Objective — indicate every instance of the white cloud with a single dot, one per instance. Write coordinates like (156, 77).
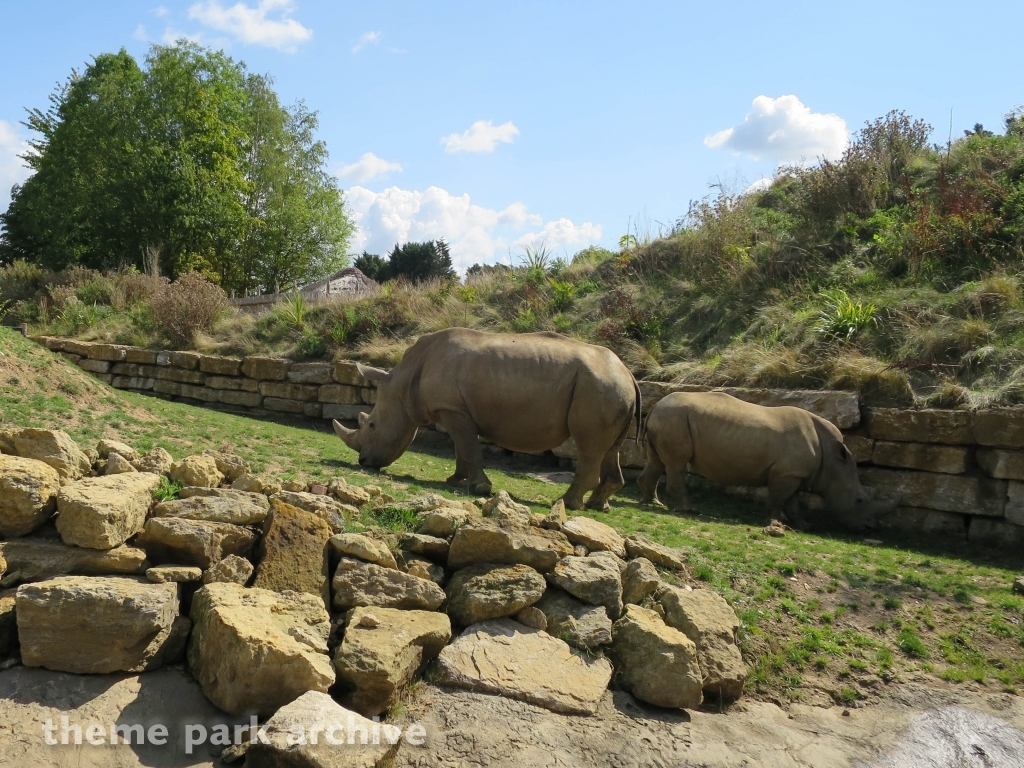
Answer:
(482, 136)
(758, 186)
(556, 234)
(786, 131)
(475, 233)
(12, 168)
(140, 33)
(160, 11)
(368, 167)
(254, 25)
(365, 39)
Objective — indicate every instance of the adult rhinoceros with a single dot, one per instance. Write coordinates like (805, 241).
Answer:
(526, 392)
(733, 442)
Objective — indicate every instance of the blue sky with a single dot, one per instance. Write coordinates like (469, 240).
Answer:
(498, 125)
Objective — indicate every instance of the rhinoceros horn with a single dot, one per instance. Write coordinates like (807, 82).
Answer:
(371, 374)
(350, 436)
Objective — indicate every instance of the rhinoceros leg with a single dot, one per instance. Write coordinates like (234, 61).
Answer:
(469, 456)
(588, 476)
(675, 490)
(651, 476)
(782, 497)
(612, 480)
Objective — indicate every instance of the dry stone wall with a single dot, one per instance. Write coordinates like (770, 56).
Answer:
(958, 473)
(255, 385)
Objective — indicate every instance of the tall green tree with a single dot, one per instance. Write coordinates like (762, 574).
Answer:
(188, 163)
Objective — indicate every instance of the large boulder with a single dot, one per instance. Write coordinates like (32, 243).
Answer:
(656, 663)
(231, 465)
(595, 536)
(505, 657)
(157, 460)
(639, 581)
(232, 569)
(324, 507)
(580, 625)
(357, 583)
(487, 542)
(432, 547)
(294, 552)
(53, 447)
(38, 559)
(501, 509)
(117, 465)
(105, 447)
(659, 554)
(382, 651)
(233, 494)
(253, 650)
(198, 470)
(193, 542)
(363, 548)
(445, 521)
(594, 579)
(348, 494)
(28, 494)
(710, 622)
(488, 591)
(212, 509)
(103, 512)
(95, 625)
(334, 737)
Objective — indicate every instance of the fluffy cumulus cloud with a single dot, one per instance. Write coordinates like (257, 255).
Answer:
(368, 167)
(475, 233)
(12, 167)
(786, 131)
(269, 23)
(482, 136)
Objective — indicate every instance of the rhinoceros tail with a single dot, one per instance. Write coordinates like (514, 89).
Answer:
(639, 415)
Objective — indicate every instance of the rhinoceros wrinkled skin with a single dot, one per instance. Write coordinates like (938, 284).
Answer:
(526, 392)
(731, 442)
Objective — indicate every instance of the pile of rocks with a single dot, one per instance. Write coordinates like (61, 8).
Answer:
(272, 593)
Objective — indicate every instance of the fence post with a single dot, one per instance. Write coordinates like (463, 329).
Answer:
(24, 329)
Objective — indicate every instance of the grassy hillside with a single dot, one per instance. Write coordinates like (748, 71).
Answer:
(825, 617)
(894, 271)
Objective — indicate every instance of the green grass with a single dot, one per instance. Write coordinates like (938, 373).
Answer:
(803, 600)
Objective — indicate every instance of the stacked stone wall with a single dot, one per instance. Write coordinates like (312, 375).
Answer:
(958, 472)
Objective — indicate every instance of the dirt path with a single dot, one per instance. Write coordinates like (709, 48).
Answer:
(911, 726)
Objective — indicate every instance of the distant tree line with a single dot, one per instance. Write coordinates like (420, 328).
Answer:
(415, 262)
(187, 163)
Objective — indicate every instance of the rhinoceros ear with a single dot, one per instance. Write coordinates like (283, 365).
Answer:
(371, 374)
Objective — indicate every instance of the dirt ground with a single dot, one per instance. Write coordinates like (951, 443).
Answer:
(909, 726)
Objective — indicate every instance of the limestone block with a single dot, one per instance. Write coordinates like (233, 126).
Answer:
(505, 657)
(96, 625)
(948, 493)
(265, 368)
(947, 459)
(948, 427)
(253, 650)
(103, 512)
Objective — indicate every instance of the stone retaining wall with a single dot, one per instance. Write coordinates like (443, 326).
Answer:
(959, 473)
(258, 386)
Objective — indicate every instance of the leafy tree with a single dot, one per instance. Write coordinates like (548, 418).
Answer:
(371, 265)
(187, 164)
(420, 261)
(415, 262)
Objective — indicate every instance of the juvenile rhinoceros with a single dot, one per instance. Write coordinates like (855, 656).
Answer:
(526, 392)
(733, 442)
